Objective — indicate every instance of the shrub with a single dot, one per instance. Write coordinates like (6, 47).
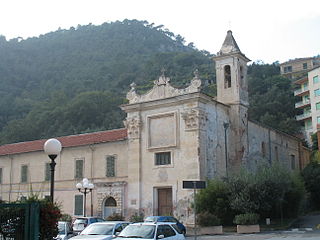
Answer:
(115, 217)
(137, 217)
(66, 217)
(311, 176)
(208, 219)
(214, 199)
(246, 219)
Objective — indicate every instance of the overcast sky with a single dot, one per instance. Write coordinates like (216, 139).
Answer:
(267, 30)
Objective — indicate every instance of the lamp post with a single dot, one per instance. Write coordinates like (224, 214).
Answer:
(85, 187)
(52, 147)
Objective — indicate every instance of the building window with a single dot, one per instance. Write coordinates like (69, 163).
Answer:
(0, 175)
(308, 124)
(263, 149)
(78, 204)
(287, 69)
(276, 153)
(163, 158)
(24, 174)
(293, 162)
(305, 66)
(79, 168)
(227, 76)
(110, 166)
(317, 92)
(47, 172)
(316, 79)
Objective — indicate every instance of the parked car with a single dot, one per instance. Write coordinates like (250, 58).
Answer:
(151, 230)
(167, 219)
(65, 231)
(81, 223)
(102, 230)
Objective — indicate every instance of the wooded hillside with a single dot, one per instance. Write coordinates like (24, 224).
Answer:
(72, 81)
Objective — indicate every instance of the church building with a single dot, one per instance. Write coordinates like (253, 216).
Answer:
(171, 135)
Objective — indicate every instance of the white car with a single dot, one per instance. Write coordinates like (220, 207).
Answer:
(102, 230)
(152, 230)
(65, 231)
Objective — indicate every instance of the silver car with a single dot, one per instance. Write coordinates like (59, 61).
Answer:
(102, 230)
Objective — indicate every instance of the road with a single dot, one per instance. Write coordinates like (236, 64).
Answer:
(280, 235)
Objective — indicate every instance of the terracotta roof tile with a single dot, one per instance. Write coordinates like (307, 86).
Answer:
(66, 141)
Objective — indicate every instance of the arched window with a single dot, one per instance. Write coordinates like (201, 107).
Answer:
(227, 76)
(110, 207)
(110, 202)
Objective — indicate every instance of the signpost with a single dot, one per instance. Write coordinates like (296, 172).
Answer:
(194, 185)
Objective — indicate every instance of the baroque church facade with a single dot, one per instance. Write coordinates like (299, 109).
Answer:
(170, 135)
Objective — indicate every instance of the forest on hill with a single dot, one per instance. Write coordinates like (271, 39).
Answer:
(73, 81)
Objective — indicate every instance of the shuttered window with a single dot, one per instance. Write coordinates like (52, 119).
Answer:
(163, 158)
(78, 204)
(47, 172)
(24, 174)
(79, 168)
(0, 175)
(110, 166)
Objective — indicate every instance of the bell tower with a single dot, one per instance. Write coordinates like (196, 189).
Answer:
(232, 90)
(231, 72)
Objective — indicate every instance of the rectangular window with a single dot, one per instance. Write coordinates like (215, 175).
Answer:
(316, 79)
(318, 106)
(24, 174)
(78, 204)
(163, 158)
(276, 153)
(305, 85)
(110, 166)
(305, 66)
(293, 162)
(317, 92)
(263, 149)
(79, 168)
(308, 124)
(0, 175)
(47, 172)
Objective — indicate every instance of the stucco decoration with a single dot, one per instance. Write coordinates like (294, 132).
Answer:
(133, 125)
(110, 189)
(163, 89)
(194, 119)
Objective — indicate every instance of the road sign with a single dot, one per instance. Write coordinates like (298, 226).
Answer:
(194, 184)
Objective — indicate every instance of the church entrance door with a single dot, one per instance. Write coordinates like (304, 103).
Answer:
(165, 201)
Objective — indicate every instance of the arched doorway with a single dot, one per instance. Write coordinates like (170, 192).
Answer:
(110, 206)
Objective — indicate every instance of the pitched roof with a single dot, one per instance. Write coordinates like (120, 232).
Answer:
(229, 45)
(66, 141)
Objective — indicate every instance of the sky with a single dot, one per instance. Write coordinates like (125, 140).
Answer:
(265, 30)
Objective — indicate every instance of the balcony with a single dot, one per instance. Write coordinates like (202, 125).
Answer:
(302, 103)
(303, 116)
(300, 92)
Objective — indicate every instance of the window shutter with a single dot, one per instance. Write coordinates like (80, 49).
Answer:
(47, 172)
(24, 173)
(79, 169)
(78, 204)
(111, 171)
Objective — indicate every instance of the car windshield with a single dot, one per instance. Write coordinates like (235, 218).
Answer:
(98, 229)
(61, 228)
(80, 220)
(139, 231)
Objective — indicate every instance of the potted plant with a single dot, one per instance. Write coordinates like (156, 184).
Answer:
(247, 223)
(209, 224)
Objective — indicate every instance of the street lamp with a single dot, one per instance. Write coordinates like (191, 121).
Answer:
(85, 187)
(52, 147)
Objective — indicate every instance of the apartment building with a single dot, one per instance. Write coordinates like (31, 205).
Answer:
(299, 67)
(309, 103)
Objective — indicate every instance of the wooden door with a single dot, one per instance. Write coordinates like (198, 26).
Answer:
(164, 201)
